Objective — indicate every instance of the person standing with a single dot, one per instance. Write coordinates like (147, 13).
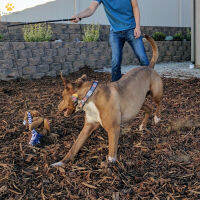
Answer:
(124, 18)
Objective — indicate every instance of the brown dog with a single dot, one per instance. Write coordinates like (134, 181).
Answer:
(113, 103)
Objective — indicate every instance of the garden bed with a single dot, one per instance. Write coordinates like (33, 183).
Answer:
(160, 164)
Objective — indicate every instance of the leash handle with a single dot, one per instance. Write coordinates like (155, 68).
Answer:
(39, 22)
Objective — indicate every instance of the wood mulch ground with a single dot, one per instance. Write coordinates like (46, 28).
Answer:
(162, 163)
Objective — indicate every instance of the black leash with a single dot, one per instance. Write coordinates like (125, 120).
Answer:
(39, 22)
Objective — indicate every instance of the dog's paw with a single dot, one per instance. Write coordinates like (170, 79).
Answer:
(58, 164)
(156, 119)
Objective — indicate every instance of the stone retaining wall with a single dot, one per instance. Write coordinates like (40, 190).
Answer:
(74, 32)
(35, 60)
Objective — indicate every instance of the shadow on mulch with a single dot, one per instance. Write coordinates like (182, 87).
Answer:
(163, 163)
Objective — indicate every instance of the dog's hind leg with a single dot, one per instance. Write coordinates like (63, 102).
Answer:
(157, 113)
(84, 134)
(157, 93)
(147, 111)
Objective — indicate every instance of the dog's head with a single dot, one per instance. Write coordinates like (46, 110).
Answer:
(67, 104)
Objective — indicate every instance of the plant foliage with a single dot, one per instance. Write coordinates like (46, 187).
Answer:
(37, 33)
(159, 36)
(91, 33)
(188, 35)
(178, 37)
(1, 37)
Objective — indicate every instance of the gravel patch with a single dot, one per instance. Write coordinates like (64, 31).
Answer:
(179, 70)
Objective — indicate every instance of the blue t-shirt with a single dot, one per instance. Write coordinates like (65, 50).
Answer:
(119, 13)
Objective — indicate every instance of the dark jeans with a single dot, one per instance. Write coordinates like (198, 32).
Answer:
(117, 40)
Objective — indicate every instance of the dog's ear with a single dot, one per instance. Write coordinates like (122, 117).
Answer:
(84, 77)
(64, 80)
(81, 80)
(66, 83)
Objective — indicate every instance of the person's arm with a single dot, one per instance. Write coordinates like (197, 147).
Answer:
(136, 12)
(87, 12)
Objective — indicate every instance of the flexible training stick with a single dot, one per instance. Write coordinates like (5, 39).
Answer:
(39, 22)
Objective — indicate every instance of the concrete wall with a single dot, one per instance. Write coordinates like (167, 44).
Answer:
(173, 13)
(38, 59)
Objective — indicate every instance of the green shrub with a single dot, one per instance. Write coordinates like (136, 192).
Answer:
(37, 33)
(91, 33)
(1, 37)
(178, 37)
(188, 35)
(159, 36)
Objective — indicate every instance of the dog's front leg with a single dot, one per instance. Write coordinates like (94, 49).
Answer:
(84, 134)
(113, 137)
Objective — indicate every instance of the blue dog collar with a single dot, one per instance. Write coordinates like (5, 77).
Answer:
(35, 139)
(89, 94)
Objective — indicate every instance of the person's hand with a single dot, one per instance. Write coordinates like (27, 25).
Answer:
(137, 32)
(76, 19)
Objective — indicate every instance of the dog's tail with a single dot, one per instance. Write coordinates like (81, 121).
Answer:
(154, 49)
